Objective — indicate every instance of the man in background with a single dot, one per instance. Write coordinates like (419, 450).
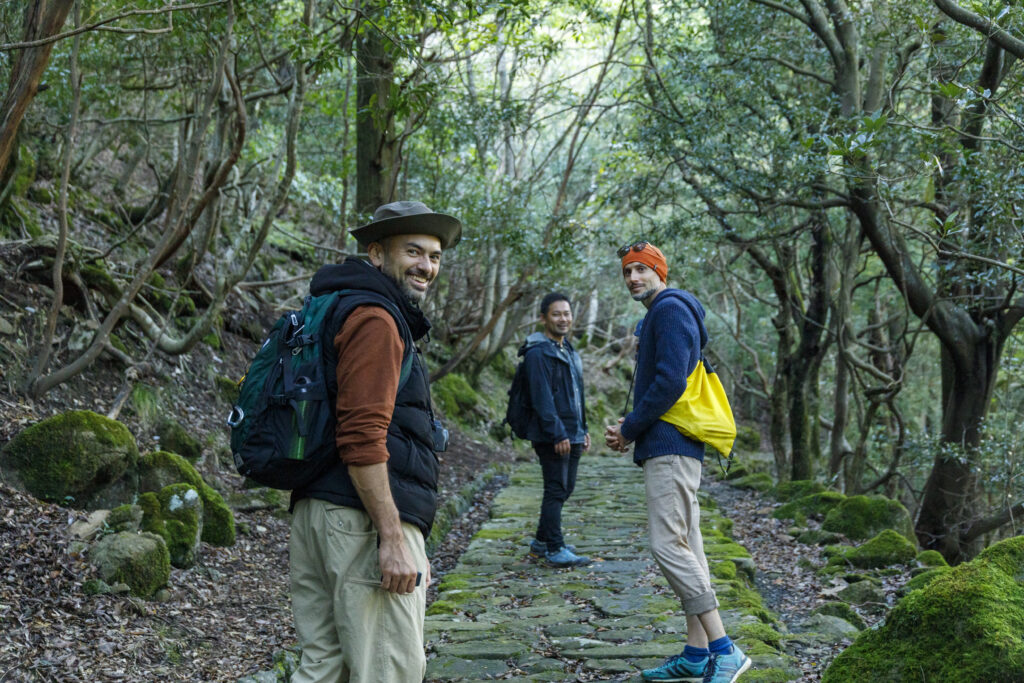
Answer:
(558, 423)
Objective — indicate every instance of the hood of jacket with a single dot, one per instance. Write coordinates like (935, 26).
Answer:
(675, 298)
(539, 338)
(358, 274)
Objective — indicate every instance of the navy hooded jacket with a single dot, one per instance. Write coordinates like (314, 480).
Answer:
(671, 338)
(554, 375)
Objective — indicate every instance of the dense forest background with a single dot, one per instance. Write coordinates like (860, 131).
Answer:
(840, 182)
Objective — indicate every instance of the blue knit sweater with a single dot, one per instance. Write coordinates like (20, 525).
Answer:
(672, 335)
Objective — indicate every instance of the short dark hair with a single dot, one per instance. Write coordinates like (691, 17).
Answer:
(551, 298)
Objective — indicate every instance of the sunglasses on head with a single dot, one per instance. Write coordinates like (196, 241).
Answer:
(636, 246)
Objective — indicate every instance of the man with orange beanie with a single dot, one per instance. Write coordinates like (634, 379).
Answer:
(671, 339)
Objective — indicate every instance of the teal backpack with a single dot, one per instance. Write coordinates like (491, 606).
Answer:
(283, 424)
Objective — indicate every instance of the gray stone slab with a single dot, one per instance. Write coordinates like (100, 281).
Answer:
(446, 668)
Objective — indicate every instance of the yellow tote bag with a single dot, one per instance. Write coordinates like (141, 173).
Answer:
(703, 411)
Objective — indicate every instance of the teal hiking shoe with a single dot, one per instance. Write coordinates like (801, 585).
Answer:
(677, 668)
(726, 668)
(565, 558)
(540, 548)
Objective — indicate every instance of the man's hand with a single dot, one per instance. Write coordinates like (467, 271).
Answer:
(613, 437)
(397, 570)
(586, 442)
(563, 447)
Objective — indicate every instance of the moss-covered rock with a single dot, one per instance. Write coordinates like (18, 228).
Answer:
(160, 469)
(139, 560)
(177, 517)
(95, 275)
(798, 488)
(887, 548)
(978, 606)
(815, 504)
(176, 439)
(931, 558)
(453, 395)
(79, 459)
(862, 593)
(923, 579)
(748, 439)
(861, 517)
(125, 517)
(226, 388)
(759, 481)
(843, 611)
(724, 570)
(817, 537)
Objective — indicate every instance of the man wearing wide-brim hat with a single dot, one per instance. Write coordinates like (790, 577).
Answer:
(359, 571)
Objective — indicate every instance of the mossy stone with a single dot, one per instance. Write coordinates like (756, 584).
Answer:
(759, 481)
(177, 518)
(96, 276)
(724, 570)
(453, 395)
(923, 579)
(762, 632)
(79, 458)
(887, 548)
(817, 537)
(862, 517)
(814, 504)
(748, 439)
(160, 469)
(843, 611)
(126, 517)
(798, 488)
(176, 439)
(931, 558)
(978, 606)
(226, 388)
(139, 560)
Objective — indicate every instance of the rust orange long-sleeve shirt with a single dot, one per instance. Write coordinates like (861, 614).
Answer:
(369, 366)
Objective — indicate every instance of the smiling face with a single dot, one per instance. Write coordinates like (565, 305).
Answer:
(642, 281)
(412, 261)
(558, 320)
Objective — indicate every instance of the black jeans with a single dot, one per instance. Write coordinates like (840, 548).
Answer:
(559, 481)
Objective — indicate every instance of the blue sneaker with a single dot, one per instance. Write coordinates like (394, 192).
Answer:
(726, 668)
(677, 668)
(565, 558)
(539, 548)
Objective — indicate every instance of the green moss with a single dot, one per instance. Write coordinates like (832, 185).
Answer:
(861, 517)
(157, 293)
(442, 607)
(748, 439)
(771, 675)
(226, 388)
(139, 560)
(160, 469)
(212, 339)
(887, 548)
(176, 439)
(177, 521)
(116, 342)
(925, 578)
(450, 584)
(724, 526)
(978, 605)
(125, 518)
(799, 488)
(24, 171)
(70, 458)
(453, 395)
(759, 481)
(725, 550)
(843, 611)
(740, 597)
(817, 537)
(735, 472)
(762, 632)
(814, 504)
(931, 558)
(497, 534)
(96, 277)
(146, 404)
(724, 570)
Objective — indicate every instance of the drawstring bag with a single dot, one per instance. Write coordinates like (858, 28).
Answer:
(702, 412)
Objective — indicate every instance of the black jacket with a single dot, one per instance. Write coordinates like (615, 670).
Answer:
(412, 464)
(558, 409)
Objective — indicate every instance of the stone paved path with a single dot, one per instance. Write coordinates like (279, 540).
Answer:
(502, 614)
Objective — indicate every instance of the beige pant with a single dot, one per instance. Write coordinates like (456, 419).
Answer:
(673, 517)
(349, 628)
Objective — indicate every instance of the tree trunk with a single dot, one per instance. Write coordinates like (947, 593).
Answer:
(43, 18)
(375, 144)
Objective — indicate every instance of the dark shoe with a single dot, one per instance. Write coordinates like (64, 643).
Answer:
(565, 558)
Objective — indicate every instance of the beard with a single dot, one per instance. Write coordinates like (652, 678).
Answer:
(644, 295)
(414, 295)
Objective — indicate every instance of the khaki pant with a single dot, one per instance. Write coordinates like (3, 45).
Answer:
(349, 628)
(673, 516)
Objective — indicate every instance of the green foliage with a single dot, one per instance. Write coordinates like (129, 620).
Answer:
(979, 605)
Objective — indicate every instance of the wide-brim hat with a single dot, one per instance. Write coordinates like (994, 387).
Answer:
(409, 218)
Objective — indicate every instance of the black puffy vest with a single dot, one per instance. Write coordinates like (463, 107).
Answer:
(412, 465)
